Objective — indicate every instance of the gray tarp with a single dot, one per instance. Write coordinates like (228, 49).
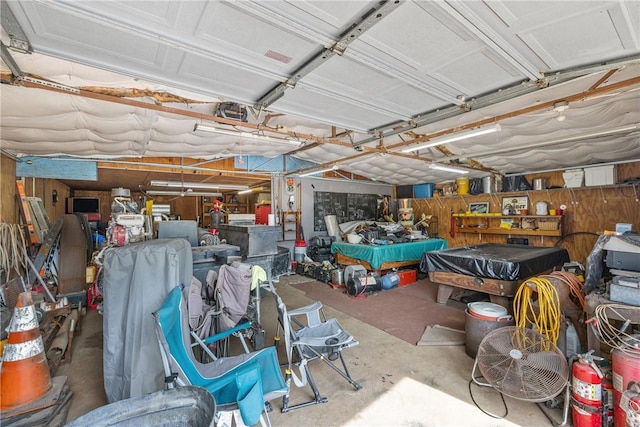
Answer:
(137, 278)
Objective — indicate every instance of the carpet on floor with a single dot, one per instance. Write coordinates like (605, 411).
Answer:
(404, 312)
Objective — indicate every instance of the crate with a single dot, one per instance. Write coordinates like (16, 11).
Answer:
(323, 274)
(600, 175)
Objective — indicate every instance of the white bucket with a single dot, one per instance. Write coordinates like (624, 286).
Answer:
(542, 208)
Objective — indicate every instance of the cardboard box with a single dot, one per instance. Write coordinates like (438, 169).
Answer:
(573, 178)
(600, 175)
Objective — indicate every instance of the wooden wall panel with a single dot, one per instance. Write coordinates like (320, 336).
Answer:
(590, 210)
(8, 207)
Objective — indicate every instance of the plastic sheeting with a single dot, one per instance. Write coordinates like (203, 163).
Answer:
(595, 261)
(493, 261)
(137, 279)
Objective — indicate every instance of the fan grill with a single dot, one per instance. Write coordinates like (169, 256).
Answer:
(523, 364)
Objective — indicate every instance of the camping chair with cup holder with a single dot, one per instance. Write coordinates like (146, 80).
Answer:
(310, 335)
(246, 382)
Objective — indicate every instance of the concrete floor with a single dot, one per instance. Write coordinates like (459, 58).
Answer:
(402, 384)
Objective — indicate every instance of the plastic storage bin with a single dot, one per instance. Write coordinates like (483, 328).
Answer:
(573, 178)
(421, 191)
(600, 175)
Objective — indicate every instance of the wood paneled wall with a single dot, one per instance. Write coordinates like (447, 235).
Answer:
(590, 210)
(34, 187)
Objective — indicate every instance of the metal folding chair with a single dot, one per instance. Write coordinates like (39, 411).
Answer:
(309, 335)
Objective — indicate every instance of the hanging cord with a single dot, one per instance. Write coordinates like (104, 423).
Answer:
(12, 249)
(546, 317)
(573, 284)
(612, 335)
(506, 409)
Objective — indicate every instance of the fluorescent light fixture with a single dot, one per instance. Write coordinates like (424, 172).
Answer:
(250, 190)
(443, 168)
(203, 185)
(181, 193)
(332, 168)
(492, 129)
(247, 135)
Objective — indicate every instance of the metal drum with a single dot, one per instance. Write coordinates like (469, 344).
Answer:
(625, 363)
(477, 328)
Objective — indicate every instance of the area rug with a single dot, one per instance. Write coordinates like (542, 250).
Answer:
(403, 312)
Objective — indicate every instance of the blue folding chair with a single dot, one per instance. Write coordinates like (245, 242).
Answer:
(246, 382)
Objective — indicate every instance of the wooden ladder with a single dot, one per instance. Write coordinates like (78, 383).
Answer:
(25, 212)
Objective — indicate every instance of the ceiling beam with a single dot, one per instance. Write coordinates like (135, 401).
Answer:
(577, 97)
(177, 111)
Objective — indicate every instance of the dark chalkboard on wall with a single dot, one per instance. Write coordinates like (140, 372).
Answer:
(345, 206)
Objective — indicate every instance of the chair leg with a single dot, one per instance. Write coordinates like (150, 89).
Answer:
(346, 375)
(317, 397)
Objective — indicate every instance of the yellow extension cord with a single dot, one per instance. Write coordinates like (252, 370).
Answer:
(546, 317)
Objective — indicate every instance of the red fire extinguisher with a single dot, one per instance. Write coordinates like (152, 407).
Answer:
(591, 393)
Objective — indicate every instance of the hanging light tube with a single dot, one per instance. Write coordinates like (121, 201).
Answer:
(182, 193)
(248, 135)
(202, 185)
(492, 129)
(443, 168)
(332, 168)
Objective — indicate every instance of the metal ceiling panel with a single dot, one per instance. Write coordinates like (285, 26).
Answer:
(415, 69)
(554, 35)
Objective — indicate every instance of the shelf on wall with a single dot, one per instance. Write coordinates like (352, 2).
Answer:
(536, 225)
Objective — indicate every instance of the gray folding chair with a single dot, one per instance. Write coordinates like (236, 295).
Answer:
(308, 336)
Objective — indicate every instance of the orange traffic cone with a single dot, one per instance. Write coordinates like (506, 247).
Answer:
(24, 375)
